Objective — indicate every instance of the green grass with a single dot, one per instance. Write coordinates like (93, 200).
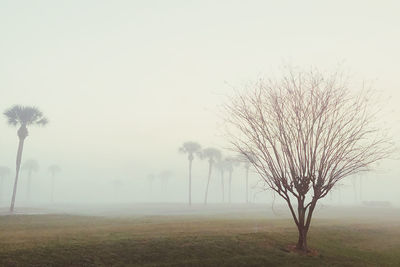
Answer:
(60, 240)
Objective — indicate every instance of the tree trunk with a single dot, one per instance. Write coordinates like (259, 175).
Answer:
(190, 182)
(18, 165)
(302, 226)
(302, 242)
(304, 222)
(208, 181)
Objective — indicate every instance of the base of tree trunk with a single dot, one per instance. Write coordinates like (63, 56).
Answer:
(293, 249)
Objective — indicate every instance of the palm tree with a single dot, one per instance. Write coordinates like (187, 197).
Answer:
(53, 169)
(22, 116)
(230, 162)
(245, 159)
(220, 166)
(4, 172)
(213, 155)
(190, 148)
(30, 166)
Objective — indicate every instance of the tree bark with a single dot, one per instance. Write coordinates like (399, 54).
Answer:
(302, 242)
(302, 226)
(18, 165)
(304, 222)
(208, 181)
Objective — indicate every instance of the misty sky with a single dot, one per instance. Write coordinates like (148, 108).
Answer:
(125, 83)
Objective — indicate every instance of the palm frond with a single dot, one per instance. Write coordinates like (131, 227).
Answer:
(211, 154)
(25, 115)
(12, 115)
(30, 165)
(190, 147)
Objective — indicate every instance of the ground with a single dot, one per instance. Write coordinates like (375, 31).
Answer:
(224, 238)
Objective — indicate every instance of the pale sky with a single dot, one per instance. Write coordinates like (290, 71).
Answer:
(125, 83)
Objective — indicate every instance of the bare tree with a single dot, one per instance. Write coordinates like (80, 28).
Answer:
(190, 148)
(305, 132)
(24, 117)
(213, 155)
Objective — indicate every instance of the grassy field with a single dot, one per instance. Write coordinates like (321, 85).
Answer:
(62, 240)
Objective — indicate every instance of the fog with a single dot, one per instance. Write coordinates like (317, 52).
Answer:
(125, 83)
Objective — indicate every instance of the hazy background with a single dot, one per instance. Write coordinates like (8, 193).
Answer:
(125, 83)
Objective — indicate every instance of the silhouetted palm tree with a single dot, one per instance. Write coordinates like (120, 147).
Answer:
(53, 169)
(4, 172)
(22, 116)
(245, 159)
(190, 148)
(213, 155)
(220, 166)
(230, 162)
(30, 166)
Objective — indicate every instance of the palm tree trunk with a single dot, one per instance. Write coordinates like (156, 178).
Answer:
(208, 181)
(18, 165)
(190, 182)
(247, 185)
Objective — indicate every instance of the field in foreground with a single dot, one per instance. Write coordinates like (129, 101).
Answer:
(221, 240)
